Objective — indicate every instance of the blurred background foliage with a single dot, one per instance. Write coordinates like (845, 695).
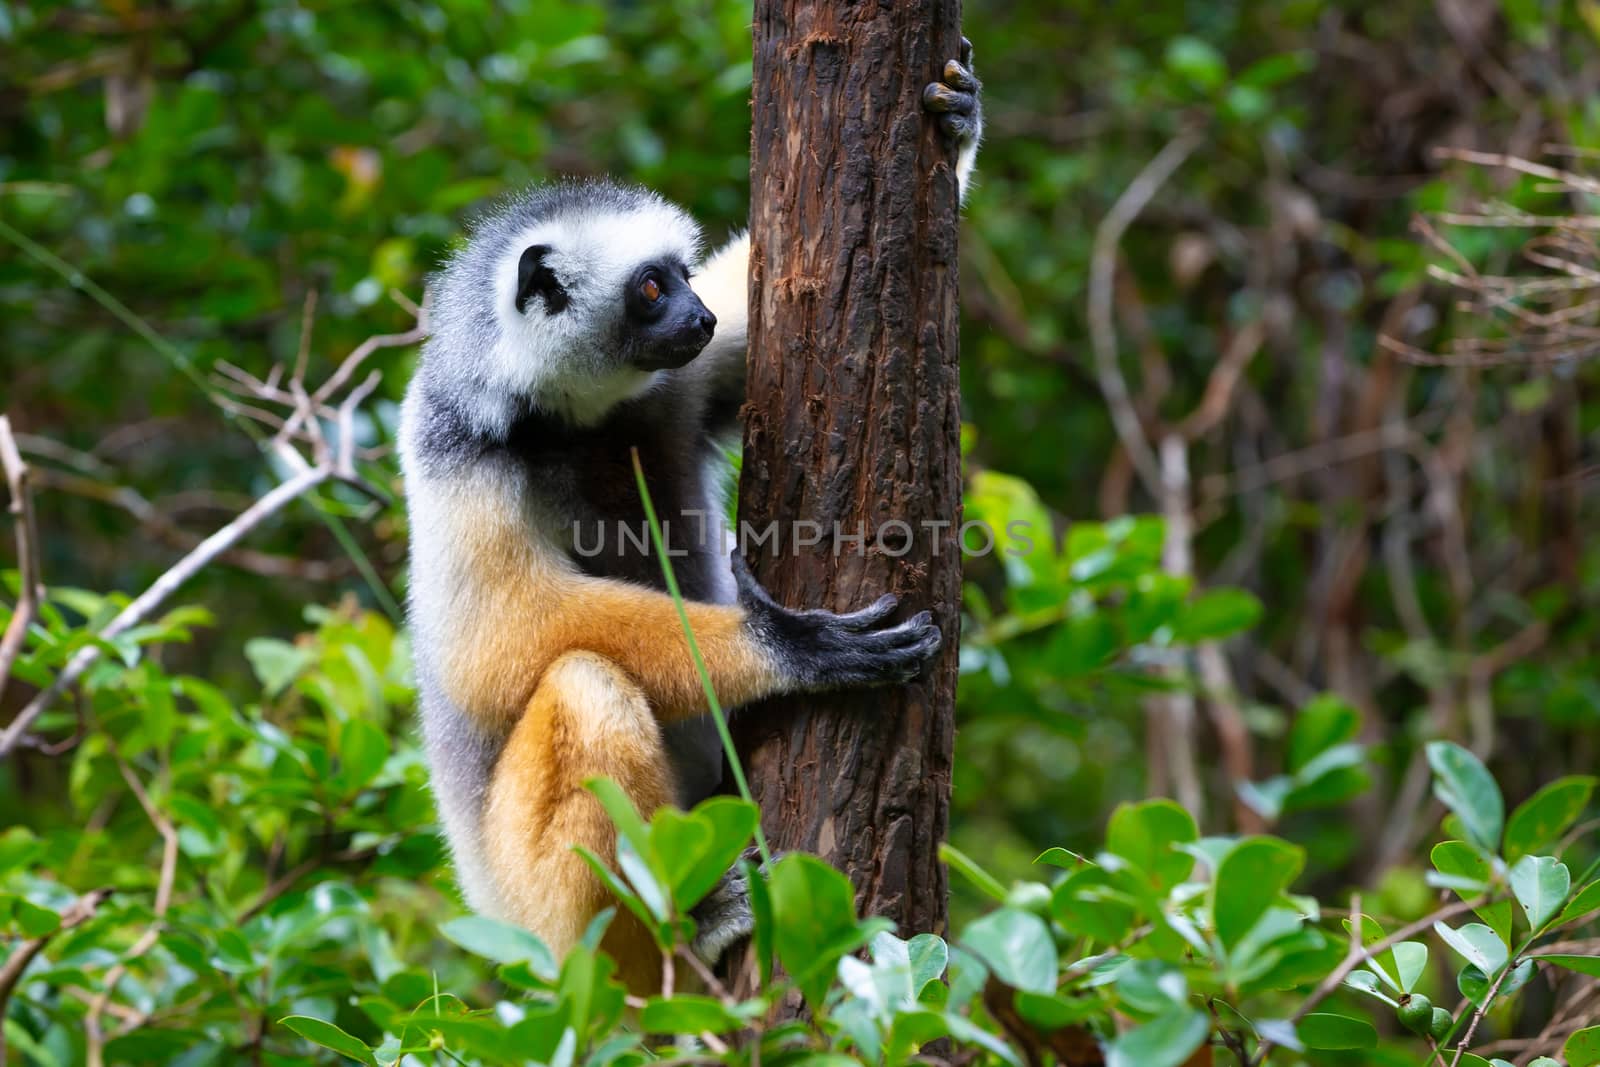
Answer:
(1405, 532)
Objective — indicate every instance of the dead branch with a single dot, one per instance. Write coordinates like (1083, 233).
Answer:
(94, 1033)
(301, 443)
(31, 590)
(1540, 319)
(1102, 289)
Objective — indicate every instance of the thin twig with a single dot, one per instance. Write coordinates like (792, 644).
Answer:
(94, 1034)
(15, 964)
(1477, 1016)
(31, 592)
(1359, 954)
(1102, 286)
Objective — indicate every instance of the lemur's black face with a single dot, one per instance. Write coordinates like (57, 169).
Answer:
(663, 326)
(664, 323)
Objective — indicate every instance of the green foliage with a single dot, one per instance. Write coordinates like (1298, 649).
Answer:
(274, 150)
(305, 893)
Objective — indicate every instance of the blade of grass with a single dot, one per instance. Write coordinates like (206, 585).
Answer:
(717, 714)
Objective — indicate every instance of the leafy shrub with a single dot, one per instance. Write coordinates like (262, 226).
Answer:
(260, 879)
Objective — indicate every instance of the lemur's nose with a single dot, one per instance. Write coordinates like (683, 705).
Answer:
(708, 321)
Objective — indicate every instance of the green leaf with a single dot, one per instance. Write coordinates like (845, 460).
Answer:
(329, 1036)
(1589, 965)
(1197, 62)
(363, 748)
(18, 847)
(1322, 724)
(1583, 1048)
(1541, 819)
(814, 921)
(1088, 904)
(618, 887)
(687, 1013)
(1461, 867)
(697, 849)
(1250, 878)
(1587, 900)
(1060, 857)
(928, 956)
(1540, 884)
(1017, 947)
(1166, 1041)
(1325, 1030)
(1464, 785)
(33, 920)
(1367, 982)
(1216, 614)
(1474, 986)
(1149, 987)
(620, 807)
(1410, 961)
(502, 943)
(1144, 834)
(276, 663)
(1275, 69)
(642, 877)
(1478, 944)
(968, 868)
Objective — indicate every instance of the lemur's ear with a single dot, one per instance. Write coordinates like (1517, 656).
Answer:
(536, 279)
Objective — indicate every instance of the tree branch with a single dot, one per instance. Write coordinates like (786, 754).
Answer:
(31, 591)
(1102, 289)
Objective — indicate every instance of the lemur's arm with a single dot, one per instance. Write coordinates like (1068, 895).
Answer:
(514, 608)
(723, 281)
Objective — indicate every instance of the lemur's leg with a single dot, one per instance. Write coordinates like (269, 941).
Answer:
(586, 718)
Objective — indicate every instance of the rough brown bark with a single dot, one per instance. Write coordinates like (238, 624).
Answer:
(853, 418)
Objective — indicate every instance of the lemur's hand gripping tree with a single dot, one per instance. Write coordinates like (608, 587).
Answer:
(853, 423)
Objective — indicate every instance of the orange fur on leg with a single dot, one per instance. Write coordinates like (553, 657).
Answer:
(517, 607)
(586, 718)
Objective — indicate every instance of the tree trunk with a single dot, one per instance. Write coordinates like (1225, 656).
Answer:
(853, 424)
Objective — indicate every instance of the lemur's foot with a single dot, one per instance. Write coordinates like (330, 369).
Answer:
(822, 650)
(954, 98)
(723, 918)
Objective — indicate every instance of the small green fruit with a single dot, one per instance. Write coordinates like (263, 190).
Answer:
(1030, 896)
(1442, 1022)
(1416, 1013)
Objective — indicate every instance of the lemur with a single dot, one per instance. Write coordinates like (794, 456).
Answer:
(570, 329)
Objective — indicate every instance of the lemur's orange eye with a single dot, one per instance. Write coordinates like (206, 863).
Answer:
(650, 290)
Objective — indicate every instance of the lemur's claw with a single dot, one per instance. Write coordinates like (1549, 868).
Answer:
(824, 650)
(723, 918)
(955, 98)
(958, 76)
(895, 654)
(872, 614)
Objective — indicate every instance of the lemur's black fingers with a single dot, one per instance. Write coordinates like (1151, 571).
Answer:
(966, 52)
(957, 75)
(870, 615)
(896, 635)
(957, 110)
(899, 654)
(941, 98)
